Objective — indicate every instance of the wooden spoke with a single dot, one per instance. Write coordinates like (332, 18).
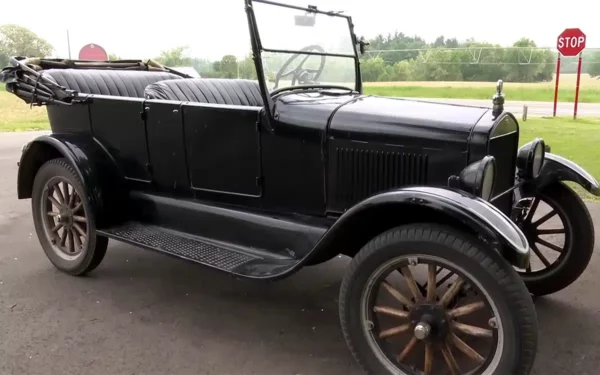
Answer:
(544, 218)
(77, 240)
(532, 209)
(54, 201)
(57, 227)
(472, 330)
(394, 331)
(70, 242)
(452, 292)
(396, 294)
(551, 231)
(53, 214)
(412, 284)
(72, 198)
(428, 367)
(59, 194)
(80, 219)
(466, 309)
(79, 229)
(450, 360)
(465, 348)
(66, 194)
(407, 349)
(549, 245)
(391, 311)
(63, 238)
(76, 208)
(539, 254)
(431, 287)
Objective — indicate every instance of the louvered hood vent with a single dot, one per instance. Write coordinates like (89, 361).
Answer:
(359, 173)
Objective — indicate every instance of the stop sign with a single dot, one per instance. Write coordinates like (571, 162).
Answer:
(571, 42)
(93, 52)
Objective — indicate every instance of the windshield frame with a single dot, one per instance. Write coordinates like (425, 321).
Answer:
(257, 47)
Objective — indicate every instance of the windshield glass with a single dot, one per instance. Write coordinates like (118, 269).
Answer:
(287, 34)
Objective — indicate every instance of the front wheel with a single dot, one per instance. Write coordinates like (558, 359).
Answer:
(64, 221)
(560, 232)
(427, 299)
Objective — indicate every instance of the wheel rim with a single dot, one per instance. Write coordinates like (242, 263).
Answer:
(434, 331)
(549, 255)
(65, 218)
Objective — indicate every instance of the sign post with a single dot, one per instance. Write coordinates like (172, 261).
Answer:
(571, 42)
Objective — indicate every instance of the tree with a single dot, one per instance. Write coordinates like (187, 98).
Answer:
(175, 57)
(113, 57)
(594, 65)
(16, 40)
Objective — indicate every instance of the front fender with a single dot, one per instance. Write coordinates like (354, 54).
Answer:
(479, 215)
(556, 168)
(103, 184)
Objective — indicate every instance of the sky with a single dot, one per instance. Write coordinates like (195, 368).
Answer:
(142, 29)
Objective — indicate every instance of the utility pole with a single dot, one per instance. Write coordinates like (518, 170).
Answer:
(69, 44)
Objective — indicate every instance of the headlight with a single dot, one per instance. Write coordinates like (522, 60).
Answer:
(479, 177)
(530, 159)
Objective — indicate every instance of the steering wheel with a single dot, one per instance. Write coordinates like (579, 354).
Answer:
(300, 74)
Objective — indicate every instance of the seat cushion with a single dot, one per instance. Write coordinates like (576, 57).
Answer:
(208, 90)
(128, 83)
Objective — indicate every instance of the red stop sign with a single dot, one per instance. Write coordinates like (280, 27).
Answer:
(93, 52)
(571, 42)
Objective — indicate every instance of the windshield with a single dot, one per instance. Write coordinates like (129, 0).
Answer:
(302, 48)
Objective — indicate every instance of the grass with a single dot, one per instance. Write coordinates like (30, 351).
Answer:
(589, 89)
(15, 115)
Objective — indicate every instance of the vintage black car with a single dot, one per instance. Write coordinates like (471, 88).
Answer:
(260, 178)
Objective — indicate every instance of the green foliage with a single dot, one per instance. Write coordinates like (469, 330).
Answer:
(449, 60)
(175, 57)
(593, 68)
(19, 41)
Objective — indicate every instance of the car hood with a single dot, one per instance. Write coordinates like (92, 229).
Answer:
(402, 122)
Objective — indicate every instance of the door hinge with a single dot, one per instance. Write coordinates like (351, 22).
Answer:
(258, 125)
(144, 113)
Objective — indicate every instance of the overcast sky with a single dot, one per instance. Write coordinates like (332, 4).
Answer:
(141, 29)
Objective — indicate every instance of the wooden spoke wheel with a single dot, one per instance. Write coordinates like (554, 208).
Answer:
(429, 300)
(64, 220)
(431, 332)
(560, 233)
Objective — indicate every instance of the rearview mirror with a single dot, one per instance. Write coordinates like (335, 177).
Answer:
(307, 20)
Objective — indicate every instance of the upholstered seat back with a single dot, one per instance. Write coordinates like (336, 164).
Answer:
(208, 90)
(128, 83)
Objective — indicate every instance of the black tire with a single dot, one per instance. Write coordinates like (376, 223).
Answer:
(579, 242)
(495, 276)
(93, 248)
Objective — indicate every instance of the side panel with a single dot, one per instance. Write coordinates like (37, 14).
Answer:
(166, 146)
(69, 119)
(118, 124)
(223, 148)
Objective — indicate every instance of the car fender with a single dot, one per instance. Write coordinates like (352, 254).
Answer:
(103, 184)
(461, 208)
(557, 168)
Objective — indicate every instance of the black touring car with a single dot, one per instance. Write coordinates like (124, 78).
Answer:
(434, 202)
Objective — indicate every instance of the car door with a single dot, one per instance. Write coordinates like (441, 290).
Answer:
(222, 145)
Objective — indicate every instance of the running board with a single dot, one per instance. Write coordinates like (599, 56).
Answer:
(233, 259)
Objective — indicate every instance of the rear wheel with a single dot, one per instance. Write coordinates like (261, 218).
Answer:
(64, 221)
(426, 299)
(560, 232)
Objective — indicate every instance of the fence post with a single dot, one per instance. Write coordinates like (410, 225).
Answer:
(524, 112)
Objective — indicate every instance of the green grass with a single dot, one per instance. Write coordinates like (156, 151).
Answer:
(576, 140)
(15, 114)
(544, 94)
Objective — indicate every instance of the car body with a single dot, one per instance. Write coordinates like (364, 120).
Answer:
(261, 182)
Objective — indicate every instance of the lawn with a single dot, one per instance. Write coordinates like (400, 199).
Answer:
(589, 89)
(15, 115)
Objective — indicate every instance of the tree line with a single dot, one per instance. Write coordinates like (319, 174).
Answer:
(405, 58)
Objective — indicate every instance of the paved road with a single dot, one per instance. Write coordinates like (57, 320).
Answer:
(534, 109)
(144, 313)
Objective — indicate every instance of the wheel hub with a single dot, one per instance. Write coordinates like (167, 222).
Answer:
(430, 322)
